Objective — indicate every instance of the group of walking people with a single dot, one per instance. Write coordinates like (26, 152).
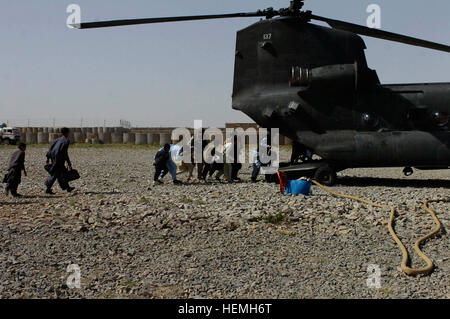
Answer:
(169, 159)
(56, 159)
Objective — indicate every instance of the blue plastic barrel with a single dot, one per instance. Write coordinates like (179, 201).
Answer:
(297, 187)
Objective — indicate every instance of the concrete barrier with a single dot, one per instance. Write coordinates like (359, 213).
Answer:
(92, 138)
(155, 139)
(141, 139)
(42, 138)
(116, 138)
(31, 138)
(79, 137)
(129, 138)
(104, 138)
(118, 130)
(164, 138)
(53, 136)
(150, 138)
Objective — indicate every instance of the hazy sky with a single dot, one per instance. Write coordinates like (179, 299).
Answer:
(171, 74)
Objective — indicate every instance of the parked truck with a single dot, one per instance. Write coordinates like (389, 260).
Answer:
(9, 135)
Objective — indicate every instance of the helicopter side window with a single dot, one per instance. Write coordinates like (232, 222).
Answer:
(370, 120)
(441, 119)
(425, 119)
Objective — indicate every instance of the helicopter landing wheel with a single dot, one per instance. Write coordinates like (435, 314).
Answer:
(326, 175)
(408, 171)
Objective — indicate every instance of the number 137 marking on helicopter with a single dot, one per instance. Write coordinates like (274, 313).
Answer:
(314, 83)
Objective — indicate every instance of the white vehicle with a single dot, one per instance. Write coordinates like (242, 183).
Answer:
(9, 135)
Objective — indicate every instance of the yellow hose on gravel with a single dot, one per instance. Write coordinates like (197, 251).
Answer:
(409, 271)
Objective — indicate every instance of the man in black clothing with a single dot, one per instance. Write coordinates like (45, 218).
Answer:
(58, 155)
(236, 166)
(203, 167)
(210, 168)
(219, 167)
(15, 168)
(161, 159)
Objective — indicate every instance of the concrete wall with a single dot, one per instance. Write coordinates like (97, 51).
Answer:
(141, 139)
(118, 135)
(42, 138)
(116, 138)
(129, 138)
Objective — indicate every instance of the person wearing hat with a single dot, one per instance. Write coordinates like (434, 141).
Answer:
(14, 176)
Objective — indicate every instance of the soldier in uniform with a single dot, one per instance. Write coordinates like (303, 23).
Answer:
(15, 168)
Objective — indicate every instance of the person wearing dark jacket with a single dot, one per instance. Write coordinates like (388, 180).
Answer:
(15, 168)
(58, 155)
(161, 159)
(236, 166)
(203, 167)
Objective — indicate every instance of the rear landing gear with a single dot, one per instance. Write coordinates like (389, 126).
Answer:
(320, 171)
(326, 175)
(408, 171)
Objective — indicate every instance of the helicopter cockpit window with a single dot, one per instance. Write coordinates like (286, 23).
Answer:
(441, 119)
(369, 120)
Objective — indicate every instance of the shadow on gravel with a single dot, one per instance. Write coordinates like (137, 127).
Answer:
(391, 182)
(41, 196)
(17, 203)
(101, 193)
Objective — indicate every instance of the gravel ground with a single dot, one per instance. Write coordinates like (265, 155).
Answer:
(133, 240)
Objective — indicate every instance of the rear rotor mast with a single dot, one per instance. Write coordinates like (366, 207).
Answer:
(294, 10)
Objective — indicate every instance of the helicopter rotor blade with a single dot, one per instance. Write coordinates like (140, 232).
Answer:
(380, 34)
(117, 23)
(270, 13)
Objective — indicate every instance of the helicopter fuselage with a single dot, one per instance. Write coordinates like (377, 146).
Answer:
(314, 84)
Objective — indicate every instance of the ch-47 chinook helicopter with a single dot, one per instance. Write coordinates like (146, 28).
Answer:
(314, 84)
